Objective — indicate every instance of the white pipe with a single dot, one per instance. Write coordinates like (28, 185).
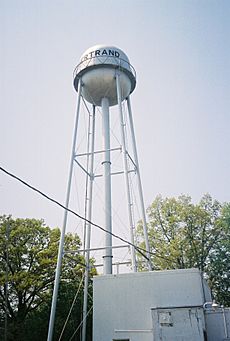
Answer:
(107, 185)
(126, 172)
(62, 237)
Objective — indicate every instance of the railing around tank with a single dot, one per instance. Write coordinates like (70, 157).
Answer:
(103, 60)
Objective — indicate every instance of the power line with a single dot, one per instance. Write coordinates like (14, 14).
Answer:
(140, 250)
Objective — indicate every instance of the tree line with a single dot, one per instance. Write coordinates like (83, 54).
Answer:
(181, 235)
(187, 235)
(28, 256)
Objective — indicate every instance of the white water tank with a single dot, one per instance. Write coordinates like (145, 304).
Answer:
(97, 69)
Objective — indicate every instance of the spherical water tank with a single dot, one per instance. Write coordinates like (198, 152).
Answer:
(97, 70)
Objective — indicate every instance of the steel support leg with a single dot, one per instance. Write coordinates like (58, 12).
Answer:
(88, 227)
(126, 172)
(62, 238)
(140, 190)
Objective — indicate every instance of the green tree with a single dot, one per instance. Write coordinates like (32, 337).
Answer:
(28, 255)
(185, 235)
(219, 264)
(36, 324)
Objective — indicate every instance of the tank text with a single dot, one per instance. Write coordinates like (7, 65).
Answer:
(101, 53)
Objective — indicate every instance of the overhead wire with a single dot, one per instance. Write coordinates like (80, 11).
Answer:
(140, 250)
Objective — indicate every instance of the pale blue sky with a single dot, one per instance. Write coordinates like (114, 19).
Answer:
(181, 53)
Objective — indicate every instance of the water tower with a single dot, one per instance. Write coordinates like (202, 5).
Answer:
(104, 78)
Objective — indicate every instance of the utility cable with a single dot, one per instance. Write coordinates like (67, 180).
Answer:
(140, 250)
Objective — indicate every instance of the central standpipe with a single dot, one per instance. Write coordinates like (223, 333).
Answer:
(107, 186)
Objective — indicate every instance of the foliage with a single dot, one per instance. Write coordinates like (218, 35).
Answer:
(219, 264)
(38, 320)
(186, 235)
(28, 255)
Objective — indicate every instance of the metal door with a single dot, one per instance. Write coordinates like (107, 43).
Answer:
(178, 324)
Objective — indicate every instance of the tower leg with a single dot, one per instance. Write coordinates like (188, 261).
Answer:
(140, 190)
(125, 164)
(62, 238)
(88, 227)
(107, 185)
